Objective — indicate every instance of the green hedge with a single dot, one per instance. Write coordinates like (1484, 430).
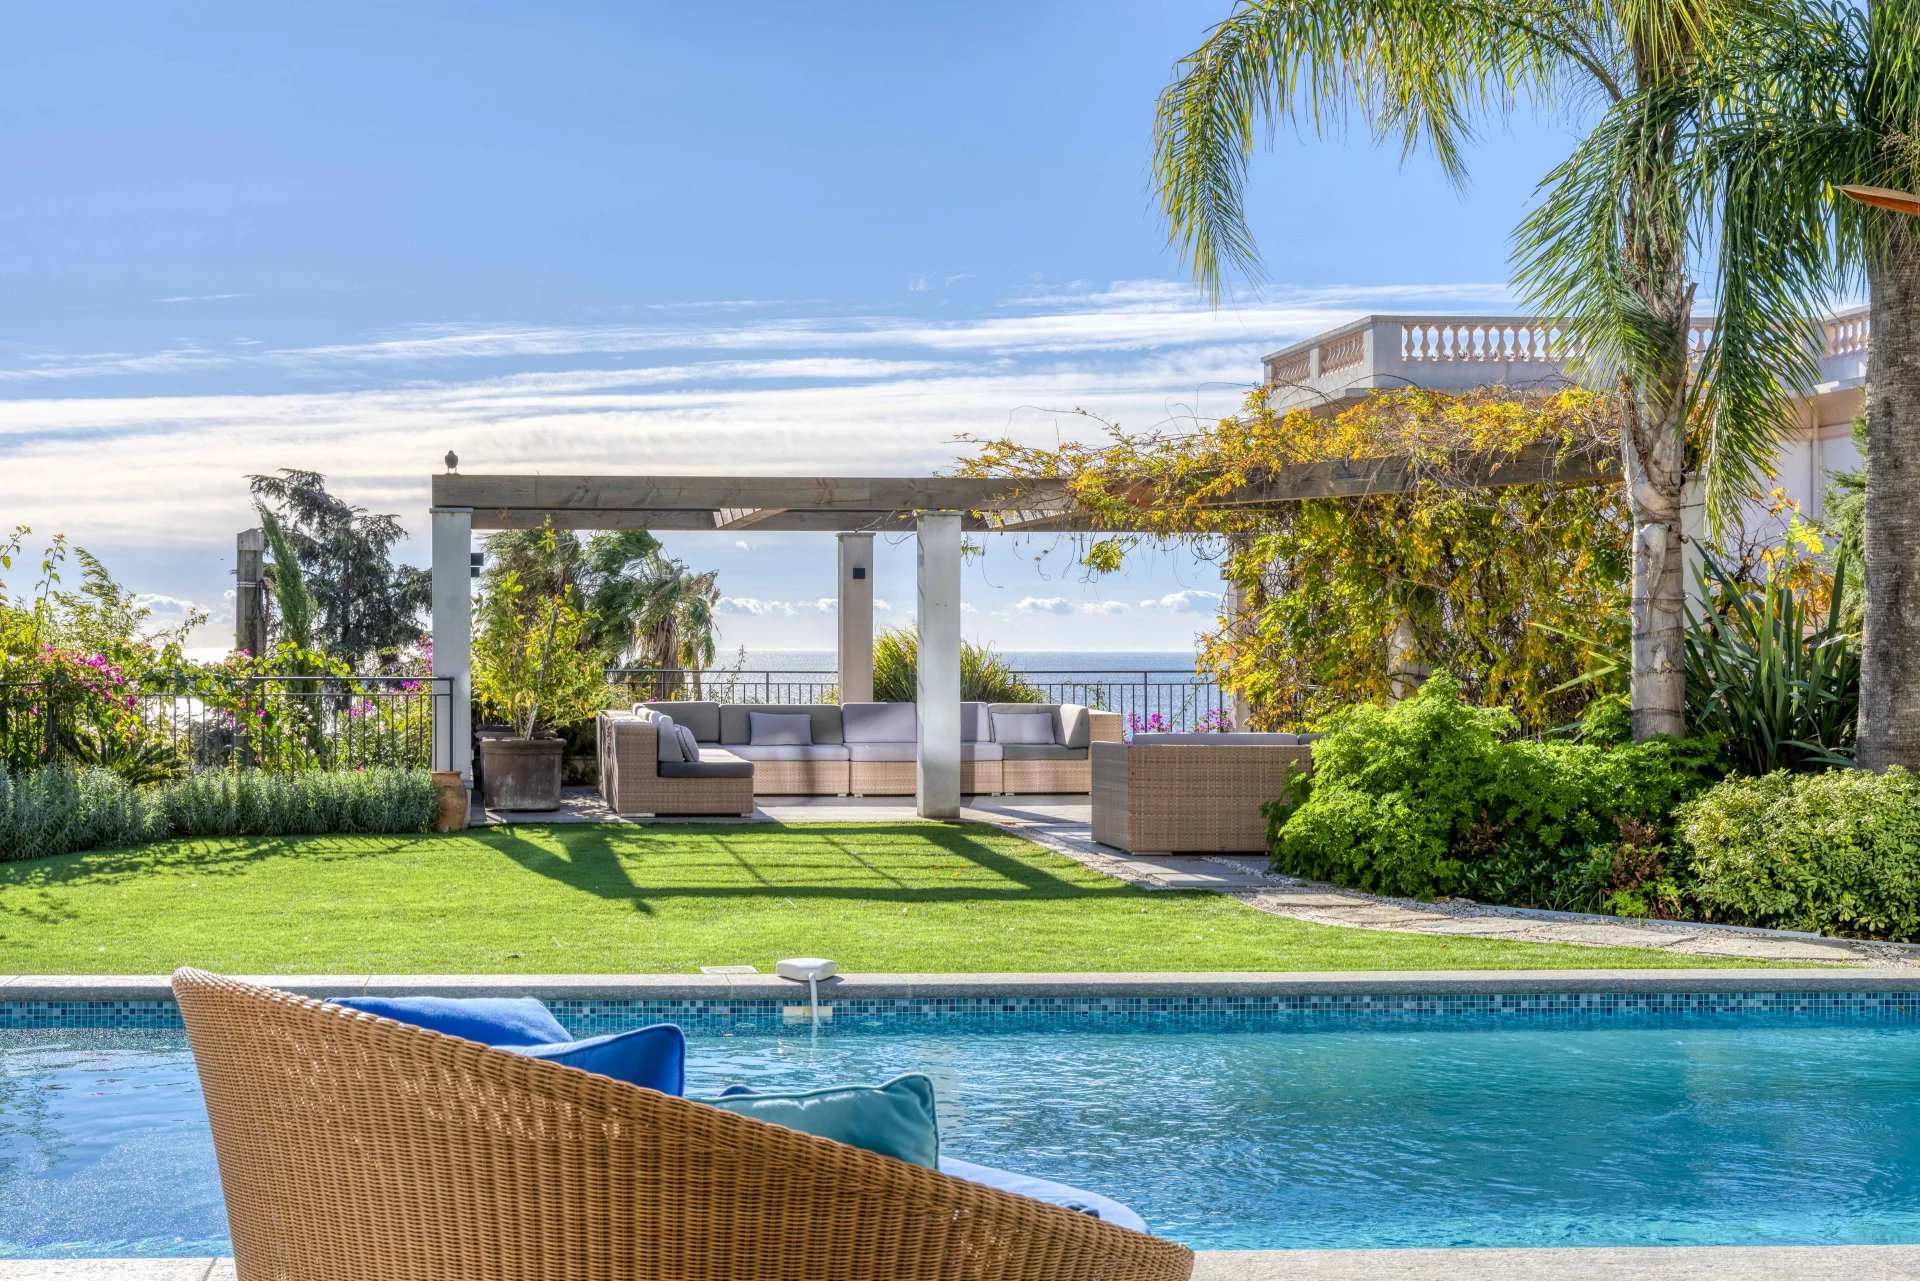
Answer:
(1837, 852)
(1434, 797)
(60, 808)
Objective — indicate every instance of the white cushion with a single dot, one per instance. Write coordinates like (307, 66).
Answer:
(1023, 727)
(780, 729)
(789, 752)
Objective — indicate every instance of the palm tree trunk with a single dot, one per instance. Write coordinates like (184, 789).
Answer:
(1655, 456)
(1890, 644)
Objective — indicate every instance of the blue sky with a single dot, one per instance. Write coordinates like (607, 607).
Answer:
(648, 238)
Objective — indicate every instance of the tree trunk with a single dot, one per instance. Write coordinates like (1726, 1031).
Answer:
(1656, 478)
(1890, 643)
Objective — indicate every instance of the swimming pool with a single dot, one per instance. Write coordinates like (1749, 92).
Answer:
(1242, 1128)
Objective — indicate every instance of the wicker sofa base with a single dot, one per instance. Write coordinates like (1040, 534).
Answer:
(1046, 777)
(901, 778)
(800, 778)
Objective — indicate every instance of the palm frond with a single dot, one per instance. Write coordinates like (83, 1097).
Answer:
(1421, 72)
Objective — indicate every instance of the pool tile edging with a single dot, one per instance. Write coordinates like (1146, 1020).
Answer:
(715, 1004)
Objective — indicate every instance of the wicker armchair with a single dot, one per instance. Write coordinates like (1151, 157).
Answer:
(1191, 798)
(352, 1148)
(631, 781)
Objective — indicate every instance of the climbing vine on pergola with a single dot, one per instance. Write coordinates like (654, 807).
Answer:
(1472, 562)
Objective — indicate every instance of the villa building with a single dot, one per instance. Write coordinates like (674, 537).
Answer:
(1463, 353)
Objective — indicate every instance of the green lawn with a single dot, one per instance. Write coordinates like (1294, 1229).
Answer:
(621, 899)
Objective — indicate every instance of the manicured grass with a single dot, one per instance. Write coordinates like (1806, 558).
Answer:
(583, 899)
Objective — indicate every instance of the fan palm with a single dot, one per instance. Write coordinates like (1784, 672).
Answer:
(1424, 73)
(673, 626)
(1789, 101)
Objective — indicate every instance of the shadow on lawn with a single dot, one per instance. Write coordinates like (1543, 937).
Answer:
(787, 863)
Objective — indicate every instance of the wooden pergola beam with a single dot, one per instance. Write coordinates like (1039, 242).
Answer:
(987, 504)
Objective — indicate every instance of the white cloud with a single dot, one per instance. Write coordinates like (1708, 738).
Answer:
(1044, 605)
(742, 544)
(200, 297)
(1192, 600)
(762, 608)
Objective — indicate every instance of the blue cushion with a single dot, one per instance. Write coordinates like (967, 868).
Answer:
(1045, 1190)
(895, 1119)
(654, 1057)
(490, 1020)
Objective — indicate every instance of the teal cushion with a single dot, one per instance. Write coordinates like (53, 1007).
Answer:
(895, 1119)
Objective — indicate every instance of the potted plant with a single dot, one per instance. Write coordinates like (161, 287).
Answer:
(533, 671)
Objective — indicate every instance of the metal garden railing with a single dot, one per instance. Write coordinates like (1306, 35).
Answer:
(1181, 699)
(194, 723)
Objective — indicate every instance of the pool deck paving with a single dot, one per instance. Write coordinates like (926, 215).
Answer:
(1064, 824)
(1691, 1263)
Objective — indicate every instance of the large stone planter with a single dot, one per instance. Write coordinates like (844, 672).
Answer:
(521, 773)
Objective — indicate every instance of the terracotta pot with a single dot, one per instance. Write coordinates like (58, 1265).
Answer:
(522, 773)
(455, 807)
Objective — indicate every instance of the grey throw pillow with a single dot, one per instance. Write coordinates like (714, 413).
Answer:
(1023, 727)
(779, 729)
(689, 745)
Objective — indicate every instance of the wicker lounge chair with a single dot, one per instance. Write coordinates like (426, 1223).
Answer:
(352, 1148)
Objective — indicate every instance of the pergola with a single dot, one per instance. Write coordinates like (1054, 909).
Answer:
(937, 510)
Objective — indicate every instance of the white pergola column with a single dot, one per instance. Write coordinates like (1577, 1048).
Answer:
(453, 640)
(937, 691)
(855, 618)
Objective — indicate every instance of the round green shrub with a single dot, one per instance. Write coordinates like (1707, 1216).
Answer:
(1837, 852)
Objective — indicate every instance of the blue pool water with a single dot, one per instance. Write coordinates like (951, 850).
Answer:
(1239, 1138)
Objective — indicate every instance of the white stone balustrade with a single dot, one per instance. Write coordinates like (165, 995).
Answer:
(1464, 353)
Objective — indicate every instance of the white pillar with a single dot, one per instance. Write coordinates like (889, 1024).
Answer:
(855, 618)
(453, 640)
(937, 692)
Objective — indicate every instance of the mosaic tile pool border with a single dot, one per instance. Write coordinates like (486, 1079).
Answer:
(1343, 1012)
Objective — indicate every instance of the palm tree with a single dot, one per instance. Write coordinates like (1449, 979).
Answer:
(674, 624)
(1788, 102)
(642, 606)
(1424, 73)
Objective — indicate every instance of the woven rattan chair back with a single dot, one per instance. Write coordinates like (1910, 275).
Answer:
(354, 1148)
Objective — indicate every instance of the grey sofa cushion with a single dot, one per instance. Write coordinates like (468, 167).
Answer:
(736, 727)
(1235, 738)
(1076, 727)
(1071, 727)
(976, 723)
(702, 718)
(732, 767)
(809, 752)
(689, 745)
(670, 750)
(982, 752)
(1025, 728)
(1041, 752)
(879, 722)
(779, 729)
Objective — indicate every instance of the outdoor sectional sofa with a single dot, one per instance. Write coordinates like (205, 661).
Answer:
(1192, 793)
(857, 749)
